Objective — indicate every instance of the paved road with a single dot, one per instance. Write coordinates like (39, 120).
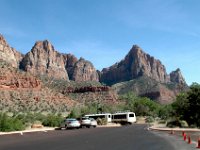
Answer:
(134, 137)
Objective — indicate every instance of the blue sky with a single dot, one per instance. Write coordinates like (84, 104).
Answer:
(103, 31)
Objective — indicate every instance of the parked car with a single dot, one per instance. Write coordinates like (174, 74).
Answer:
(70, 123)
(93, 122)
(85, 122)
(88, 122)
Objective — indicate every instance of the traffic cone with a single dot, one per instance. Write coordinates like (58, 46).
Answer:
(198, 146)
(183, 133)
(184, 137)
(189, 139)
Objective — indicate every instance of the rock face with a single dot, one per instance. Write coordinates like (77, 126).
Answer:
(43, 59)
(84, 71)
(13, 79)
(9, 54)
(137, 64)
(70, 61)
(138, 72)
(20, 91)
(176, 77)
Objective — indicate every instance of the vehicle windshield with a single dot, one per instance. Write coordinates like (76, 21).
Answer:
(70, 119)
(85, 118)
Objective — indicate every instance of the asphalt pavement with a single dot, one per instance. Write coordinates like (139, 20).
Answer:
(133, 137)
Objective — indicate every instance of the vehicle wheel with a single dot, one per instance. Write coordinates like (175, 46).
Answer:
(94, 126)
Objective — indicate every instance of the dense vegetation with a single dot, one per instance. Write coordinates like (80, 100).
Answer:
(187, 106)
(184, 110)
(20, 121)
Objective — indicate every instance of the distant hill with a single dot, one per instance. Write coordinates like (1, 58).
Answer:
(163, 93)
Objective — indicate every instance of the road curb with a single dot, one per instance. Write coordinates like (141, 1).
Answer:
(27, 131)
(174, 129)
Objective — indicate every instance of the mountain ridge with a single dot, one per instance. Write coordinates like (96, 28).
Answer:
(44, 60)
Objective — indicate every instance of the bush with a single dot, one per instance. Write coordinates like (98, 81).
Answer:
(174, 123)
(184, 124)
(149, 119)
(10, 124)
(52, 120)
(101, 121)
(161, 121)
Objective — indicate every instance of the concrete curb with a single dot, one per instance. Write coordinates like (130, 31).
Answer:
(108, 126)
(28, 131)
(174, 129)
(177, 130)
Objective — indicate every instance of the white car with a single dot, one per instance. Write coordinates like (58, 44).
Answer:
(88, 122)
(70, 123)
(93, 122)
(85, 122)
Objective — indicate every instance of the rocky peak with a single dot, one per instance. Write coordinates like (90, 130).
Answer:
(84, 71)
(2, 40)
(136, 63)
(44, 46)
(43, 59)
(9, 54)
(70, 61)
(176, 77)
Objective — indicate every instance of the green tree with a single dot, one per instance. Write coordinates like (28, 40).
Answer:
(193, 116)
(187, 105)
(140, 105)
(165, 111)
(180, 106)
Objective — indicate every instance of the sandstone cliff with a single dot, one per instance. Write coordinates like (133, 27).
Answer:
(9, 54)
(43, 59)
(20, 91)
(137, 64)
(84, 71)
(176, 77)
(70, 61)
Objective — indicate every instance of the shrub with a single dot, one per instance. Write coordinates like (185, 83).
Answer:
(149, 119)
(52, 120)
(101, 121)
(173, 123)
(10, 124)
(184, 124)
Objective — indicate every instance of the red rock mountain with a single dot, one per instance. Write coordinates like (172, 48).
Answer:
(137, 64)
(43, 59)
(9, 54)
(138, 72)
(20, 91)
(84, 71)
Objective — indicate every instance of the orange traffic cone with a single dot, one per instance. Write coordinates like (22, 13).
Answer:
(198, 146)
(184, 137)
(189, 139)
(183, 133)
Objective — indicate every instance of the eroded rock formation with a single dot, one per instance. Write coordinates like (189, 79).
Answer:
(43, 59)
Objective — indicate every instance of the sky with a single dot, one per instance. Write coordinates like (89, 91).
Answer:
(103, 31)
